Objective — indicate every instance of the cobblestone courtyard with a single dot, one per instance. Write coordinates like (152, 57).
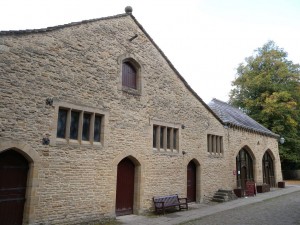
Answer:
(277, 207)
(281, 210)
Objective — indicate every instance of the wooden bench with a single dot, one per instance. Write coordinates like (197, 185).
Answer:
(170, 201)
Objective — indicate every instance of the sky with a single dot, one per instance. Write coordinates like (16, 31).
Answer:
(205, 40)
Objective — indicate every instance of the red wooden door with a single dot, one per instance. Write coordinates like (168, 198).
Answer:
(191, 182)
(125, 187)
(13, 178)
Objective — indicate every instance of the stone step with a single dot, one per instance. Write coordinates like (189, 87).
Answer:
(225, 191)
(218, 199)
(223, 195)
(225, 198)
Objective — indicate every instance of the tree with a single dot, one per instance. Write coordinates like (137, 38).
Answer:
(267, 88)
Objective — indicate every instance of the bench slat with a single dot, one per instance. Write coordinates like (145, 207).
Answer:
(163, 202)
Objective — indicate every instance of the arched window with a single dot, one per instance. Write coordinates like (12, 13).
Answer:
(244, 167)
(268, 169)
(129, 75)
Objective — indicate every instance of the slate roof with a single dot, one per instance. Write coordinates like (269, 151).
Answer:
(232, 116)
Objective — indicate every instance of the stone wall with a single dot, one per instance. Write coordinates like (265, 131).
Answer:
(257, 145)
(80, 66)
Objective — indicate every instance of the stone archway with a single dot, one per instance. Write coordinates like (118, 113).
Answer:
(268, 169)
(193, 165)
(13, 183)
(125, 187)
(137, 166)
(191, 181)
(33, 160)
(244, 168)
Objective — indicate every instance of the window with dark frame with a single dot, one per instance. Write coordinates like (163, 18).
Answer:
(85, 126)
(129, 75)
(62, 123)
(97, 128)
(155, 136)
(74, 125)
(161, 137)
(169, 130)
(175, 138)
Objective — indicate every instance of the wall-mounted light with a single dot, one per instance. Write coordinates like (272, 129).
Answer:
(182, 126)
(45, 141)
(49, 101)
(184, 152)
(281, 140)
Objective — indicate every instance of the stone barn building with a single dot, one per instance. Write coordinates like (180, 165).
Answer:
(253, 148)
(95, 121)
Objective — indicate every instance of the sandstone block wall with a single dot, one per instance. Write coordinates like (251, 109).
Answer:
(257, 145)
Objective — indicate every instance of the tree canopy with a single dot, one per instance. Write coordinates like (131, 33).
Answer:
(267, 88)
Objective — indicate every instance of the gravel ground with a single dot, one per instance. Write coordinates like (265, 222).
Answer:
(292, 182)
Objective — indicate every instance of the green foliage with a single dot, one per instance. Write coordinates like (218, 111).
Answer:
(267, 88)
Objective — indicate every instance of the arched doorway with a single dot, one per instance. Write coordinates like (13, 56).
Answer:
(268, 169)
(191, 181)
(244, 168)
(125, 187)
(13, 179)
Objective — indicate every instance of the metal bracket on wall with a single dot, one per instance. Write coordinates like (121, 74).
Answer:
(49, 101)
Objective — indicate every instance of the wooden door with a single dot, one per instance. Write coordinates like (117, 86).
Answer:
(268, 170)
(191, 182)
(125, 187)
(13, 178)
(243, 177)
(267, 179)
